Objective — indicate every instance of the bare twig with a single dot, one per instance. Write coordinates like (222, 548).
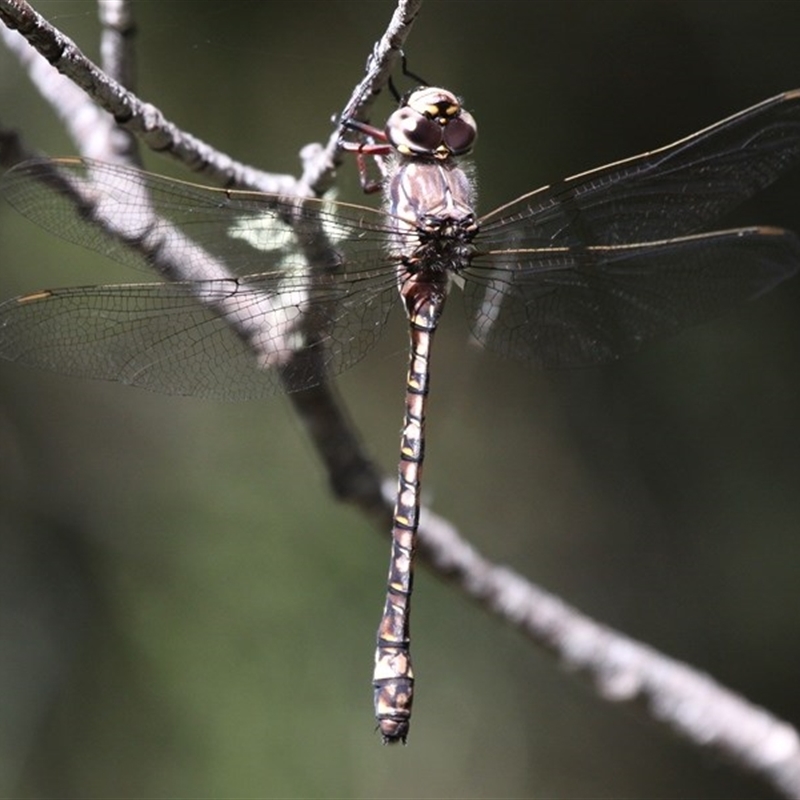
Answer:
(379, 67)
(143, 119)
(118, 58)
(147, 121)
(117, 51)
(82, 119)
(621, 670)
(687, 701)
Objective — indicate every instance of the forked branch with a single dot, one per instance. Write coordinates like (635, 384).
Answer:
(688, 702)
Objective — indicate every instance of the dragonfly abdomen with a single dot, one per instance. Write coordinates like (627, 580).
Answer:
(394, 677)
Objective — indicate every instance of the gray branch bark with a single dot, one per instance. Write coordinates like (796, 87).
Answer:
(90, 100)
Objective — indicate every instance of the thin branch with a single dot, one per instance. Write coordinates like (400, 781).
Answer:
(687, 701)
(161, 135)
(143, 119)
(117, 51)
(621, 670)
(118, 59)
(95, 130)
(379, 68)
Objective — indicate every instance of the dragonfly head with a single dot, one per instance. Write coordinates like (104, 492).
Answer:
(431, 123)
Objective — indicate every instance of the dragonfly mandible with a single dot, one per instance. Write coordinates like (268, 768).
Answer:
(269, 293)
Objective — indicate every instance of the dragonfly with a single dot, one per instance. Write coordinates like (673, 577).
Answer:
(270, 293)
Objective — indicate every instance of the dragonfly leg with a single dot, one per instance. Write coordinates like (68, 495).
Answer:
(378, 148)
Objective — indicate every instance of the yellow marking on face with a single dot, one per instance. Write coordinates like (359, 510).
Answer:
(451, 111)
(32, 298)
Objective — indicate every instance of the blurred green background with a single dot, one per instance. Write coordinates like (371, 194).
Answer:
(184, 608)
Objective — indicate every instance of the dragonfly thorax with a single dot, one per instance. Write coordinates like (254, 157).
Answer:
(431, 123)
(445, 244)
(431, 208)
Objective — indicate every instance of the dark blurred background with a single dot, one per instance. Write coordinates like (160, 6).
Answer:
(184, 608)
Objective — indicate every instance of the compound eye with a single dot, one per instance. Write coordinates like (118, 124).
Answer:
(460, 133)
(410, 132)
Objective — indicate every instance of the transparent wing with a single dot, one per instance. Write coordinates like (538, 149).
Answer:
(267, 288)
(674, 191)
(134, 217)
(575, 306)
(158, 336)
